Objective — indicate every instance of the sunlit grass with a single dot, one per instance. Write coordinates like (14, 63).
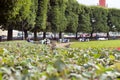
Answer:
(96, 44)
(90, 44)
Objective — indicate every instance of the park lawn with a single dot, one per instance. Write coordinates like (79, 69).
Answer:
(97, 44)
(76, 44)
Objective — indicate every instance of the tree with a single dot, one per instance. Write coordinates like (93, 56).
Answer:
(26, 17)
(9, 9)
(31, 18)
(72, 12)
(57, 16)
(84, 20)
(99, 19)
(41, 18)
(114, 19)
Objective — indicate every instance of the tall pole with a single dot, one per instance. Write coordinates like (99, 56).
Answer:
(22, 31)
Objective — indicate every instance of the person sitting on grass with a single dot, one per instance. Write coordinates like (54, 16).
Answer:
(28, 40)
(45, 41)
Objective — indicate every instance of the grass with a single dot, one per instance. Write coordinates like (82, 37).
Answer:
(90, 44)
(97, 44)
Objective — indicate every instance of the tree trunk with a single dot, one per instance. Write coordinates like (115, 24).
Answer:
(10, 34)
(35, 35)
(76, 35)
(55, 36)
(25, 34)
(44, 35)
(91, 34)
(108, 35)
(22, 31)
(60, 35)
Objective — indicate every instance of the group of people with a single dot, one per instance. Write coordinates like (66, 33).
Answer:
(45, 41)
(64, 40)
(83, 38)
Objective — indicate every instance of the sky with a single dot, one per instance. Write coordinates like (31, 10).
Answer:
(110, 3)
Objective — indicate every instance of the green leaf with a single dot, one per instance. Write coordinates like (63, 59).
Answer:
(86, 75)
(50, 69)
(1, 51)
(0, 76)
(60, 65)
(111, 57)
(116, 66)
(97, 55)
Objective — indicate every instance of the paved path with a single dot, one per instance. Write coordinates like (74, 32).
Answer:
(63, 45)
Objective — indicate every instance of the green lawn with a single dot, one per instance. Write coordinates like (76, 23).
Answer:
(96, 44)
(90, 44)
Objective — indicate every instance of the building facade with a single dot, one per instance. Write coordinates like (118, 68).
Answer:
(102, 3)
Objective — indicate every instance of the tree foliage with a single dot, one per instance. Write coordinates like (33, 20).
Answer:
(9, 9)
(99, 19)
(56, 16)
(114, 19)
(71, 12)
(41, 18)
(84, 20)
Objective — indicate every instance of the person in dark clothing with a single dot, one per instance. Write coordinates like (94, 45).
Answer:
(97, 36)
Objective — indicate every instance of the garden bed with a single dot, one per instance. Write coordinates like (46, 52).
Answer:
(26, 61)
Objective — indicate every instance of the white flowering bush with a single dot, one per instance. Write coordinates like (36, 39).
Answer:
(27, 61)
